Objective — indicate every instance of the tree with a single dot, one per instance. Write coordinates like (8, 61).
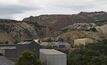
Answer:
(92, 54)
(28, 58)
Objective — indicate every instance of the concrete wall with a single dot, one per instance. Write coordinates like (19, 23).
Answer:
(11, 54)
(56, 59)
(53, 59)
(34, 47)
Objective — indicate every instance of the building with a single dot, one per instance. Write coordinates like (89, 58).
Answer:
(56, 45)
(12, 52)
(9, 51)
(52, 57)
(83, 41)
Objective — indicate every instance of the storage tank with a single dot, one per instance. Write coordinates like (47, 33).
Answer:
(52, 57)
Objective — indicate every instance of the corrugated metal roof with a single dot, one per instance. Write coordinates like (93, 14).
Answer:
(4, 46)
(24, 42)
(54, 43)
(5, 61)
(50, 51)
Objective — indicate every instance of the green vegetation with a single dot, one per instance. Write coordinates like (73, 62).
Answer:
(28, 58)
(94, 54)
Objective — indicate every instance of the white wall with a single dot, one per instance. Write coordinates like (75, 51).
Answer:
(55, 59)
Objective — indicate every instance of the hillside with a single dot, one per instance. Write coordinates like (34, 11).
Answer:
(56, 22)
(74, 26)
(12, 31)
(100, 17)
(102, 29)
(72, 35)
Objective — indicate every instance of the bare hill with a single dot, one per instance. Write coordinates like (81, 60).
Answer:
(12, 31)
(56, 22)
(97, 16)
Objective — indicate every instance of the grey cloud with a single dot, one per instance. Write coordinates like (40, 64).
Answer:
(52, 6)
(14, 9)
(74, 7)
(83, 5)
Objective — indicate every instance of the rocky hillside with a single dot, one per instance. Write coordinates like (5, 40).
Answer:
(59, 21)
(56, 22)
(102, 29)
(12, 31)
(100, 17)
(79, 25)
(57, 25)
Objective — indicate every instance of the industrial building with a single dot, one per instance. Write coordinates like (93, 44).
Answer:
(12, 52)
(56, 45)
(52, 57)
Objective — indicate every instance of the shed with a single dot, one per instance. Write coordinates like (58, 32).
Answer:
(14, 53)
(52, 57)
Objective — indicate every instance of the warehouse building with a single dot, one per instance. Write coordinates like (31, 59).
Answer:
(12, 52)
(56, 45)
(52, 57)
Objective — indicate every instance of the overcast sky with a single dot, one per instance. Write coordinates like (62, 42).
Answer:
(19, 9)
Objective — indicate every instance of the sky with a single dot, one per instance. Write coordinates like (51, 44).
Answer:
(19, 9)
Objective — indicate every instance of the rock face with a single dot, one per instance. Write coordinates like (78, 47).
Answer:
(56, 22)
(102, 29)
(97, 16)
(83, 21)
(81, 26)
(43, 26)
(12, 31)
